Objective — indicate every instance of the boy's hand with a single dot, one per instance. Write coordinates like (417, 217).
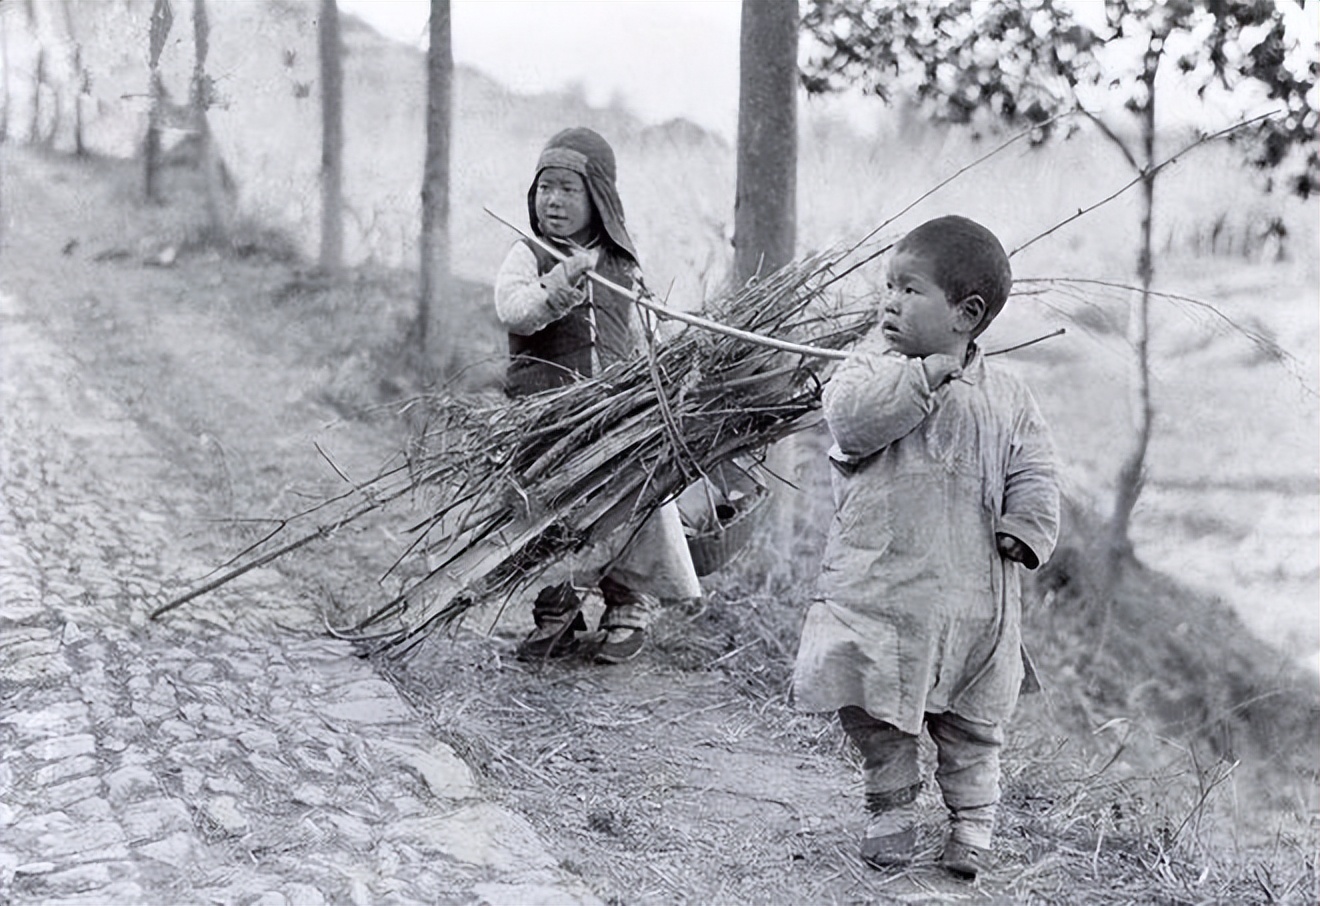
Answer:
(1011, 548)
(940, 368)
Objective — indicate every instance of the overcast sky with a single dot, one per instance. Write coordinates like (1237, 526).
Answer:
(665, 58)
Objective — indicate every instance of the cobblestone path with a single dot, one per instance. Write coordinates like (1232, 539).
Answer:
(203, 758)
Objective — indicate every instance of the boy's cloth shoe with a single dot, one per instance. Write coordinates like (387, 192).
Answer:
(621, 644)
(890, 850)
(963, 859)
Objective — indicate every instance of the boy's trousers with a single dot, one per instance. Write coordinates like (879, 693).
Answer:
(967, 772)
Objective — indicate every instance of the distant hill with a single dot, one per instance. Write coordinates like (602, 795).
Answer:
(263, 60)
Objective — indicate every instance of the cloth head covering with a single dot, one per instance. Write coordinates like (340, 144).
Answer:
(586, 153)
(967, 259)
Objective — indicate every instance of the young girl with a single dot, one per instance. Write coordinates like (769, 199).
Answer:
(943, 484)
(563, 327)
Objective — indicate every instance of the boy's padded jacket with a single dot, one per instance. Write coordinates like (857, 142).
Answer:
(916, 611)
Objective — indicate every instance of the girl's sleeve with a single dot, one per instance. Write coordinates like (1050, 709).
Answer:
(521, 298)
(1031, 488)
(875, 397)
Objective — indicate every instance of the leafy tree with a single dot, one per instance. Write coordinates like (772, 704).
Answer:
(765, 206)
(332, 136)
(435, 263)
(1028, 62)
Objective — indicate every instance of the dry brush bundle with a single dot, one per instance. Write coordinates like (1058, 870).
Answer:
(522, 484)
(514, 487)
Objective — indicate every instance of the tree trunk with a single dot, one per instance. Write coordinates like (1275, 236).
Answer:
(79, 80)
(151, 147)
(38, 82)
(435, 264)
(5, 96)
(765, 204)
(162, 17)
(38, 73)
(332, 138)
(1131, 474)
(208, 161)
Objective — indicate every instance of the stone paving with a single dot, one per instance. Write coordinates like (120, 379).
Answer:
(215, 756)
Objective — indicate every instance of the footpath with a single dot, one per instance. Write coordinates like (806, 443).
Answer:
(200, 758)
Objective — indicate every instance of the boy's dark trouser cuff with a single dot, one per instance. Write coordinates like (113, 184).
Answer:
(883, 802)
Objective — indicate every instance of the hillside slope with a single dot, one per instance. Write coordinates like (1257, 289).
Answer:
(683, 777)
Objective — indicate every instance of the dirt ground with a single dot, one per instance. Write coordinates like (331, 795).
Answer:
(655, 781)
(683, 776)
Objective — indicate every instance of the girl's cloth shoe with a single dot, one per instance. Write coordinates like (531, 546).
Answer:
(627, 614)
(890, 850)
(963, 859)
(544, 642)
(558, 616)
(622, 643)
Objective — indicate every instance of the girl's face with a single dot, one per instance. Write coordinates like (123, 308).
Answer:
(563, 206)
(917, 318)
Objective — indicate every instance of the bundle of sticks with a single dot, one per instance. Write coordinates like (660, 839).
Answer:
(519, 485)
(513, 488)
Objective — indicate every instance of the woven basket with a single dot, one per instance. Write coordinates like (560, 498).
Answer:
(716, 547)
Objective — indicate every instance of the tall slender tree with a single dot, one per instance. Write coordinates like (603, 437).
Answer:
(162, 19)
(332, 136)
(1029, 61)
(436, 279)
(5, 95)
(765, 204)
(38, 73)
(201, 97)
(81, 78)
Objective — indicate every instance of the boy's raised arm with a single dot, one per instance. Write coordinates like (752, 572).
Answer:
(875, 397)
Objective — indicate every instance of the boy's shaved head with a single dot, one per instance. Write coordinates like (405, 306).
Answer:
(967, 260)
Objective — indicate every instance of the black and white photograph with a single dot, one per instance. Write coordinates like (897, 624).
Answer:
(646, 452)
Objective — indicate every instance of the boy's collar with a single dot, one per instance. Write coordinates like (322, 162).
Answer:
(973, 366)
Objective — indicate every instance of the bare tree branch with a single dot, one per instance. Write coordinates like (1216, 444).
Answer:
(1145, 174)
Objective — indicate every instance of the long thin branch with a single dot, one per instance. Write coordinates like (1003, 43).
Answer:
(662, 312)
(1035, 127)
(1110, 134)
(1259, 340)
(1144, 174)
(715, 326)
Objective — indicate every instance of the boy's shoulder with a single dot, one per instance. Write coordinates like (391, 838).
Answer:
(1006, 384)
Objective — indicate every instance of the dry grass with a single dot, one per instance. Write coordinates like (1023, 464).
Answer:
(685, 777)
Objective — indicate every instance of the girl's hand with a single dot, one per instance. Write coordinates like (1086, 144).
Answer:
(578, 264)
(563, 298)
(562, 282)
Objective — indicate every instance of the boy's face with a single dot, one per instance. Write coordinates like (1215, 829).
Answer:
(563, 206)
(917, 318)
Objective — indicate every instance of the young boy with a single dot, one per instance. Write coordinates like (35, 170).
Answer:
(562, 327)
(943, 484)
